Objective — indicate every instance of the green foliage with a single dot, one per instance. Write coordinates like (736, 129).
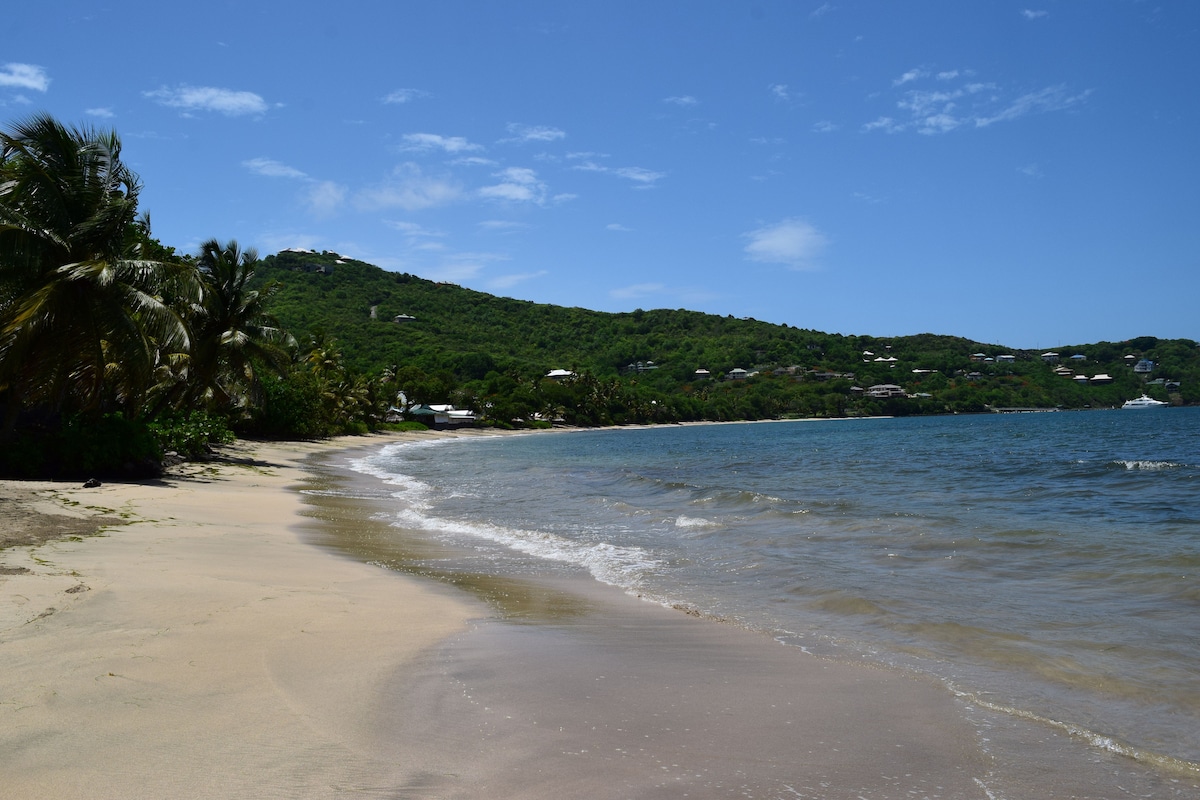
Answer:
(491, 353)
(189, 434)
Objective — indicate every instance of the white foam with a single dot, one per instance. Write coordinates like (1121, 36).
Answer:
(695, 522)
(1148, 465)
(618, 566)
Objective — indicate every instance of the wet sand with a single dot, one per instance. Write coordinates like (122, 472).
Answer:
(234, 638)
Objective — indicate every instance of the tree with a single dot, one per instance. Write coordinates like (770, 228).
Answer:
(82, 314)
(231, 329)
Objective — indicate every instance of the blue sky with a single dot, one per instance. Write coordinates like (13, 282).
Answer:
(1016, 173)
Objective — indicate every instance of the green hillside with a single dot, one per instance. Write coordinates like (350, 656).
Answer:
(453, 344)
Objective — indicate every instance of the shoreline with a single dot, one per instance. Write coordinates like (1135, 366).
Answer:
(237, 636)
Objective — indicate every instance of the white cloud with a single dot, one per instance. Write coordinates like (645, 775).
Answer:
(103, 113)
(463, 266)
(975, 104)
(910, 76)
(645, 177)
(517, 184)
(272, 169)
(534, 133)
(1031, 14)
(410, 189)
(509, 281)
(637, 290)
(616, 226)
(412, 229)
(779, 90)
(792, 241)
(405, 96)
(820, 11)
(883, 123)
(824, 126)
(1031, 170)
(1052, 98)
(25, 76)
(207, 98)
(423, 142)
(326, 198)
(682, 101)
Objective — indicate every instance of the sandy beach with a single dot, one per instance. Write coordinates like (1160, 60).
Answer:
(197, 648)
(224, 635)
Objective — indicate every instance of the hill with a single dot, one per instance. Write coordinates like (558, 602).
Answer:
(458, 345)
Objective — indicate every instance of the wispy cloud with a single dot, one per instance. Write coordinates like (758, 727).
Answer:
(683, 101)
(272, 169)
(820, 11)
(459, 267)
(103, 113)
(413, 229)
(1031, 14)
(959, 101)
(517, 185)
(642, 178)
(409, 188)
(326, 198)
(503, 226)
(425, 142)
(1052, 98)
(779, 91)
(229, 102)
(509, 281)
(824, 126)
(793, 242)
(533, 133)
(616, 226)
(910, 76)
(25, 76)
(401, 96)
(1030, 170)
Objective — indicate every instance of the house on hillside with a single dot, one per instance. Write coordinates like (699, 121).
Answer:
(560, 374)
(884, 390)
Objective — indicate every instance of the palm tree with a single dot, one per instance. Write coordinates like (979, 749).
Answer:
(82, 314)
(231, 330)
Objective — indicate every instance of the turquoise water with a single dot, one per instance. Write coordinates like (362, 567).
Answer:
(1045, 565)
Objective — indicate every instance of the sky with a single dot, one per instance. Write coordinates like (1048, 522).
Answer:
(1017, 173)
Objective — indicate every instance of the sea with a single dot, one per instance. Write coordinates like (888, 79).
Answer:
(1042, 565)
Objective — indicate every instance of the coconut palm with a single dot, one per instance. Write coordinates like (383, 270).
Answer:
(231, 330)
(82, 314)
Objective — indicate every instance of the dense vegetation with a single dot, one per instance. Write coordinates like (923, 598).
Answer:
(115, 350)
(447, 344)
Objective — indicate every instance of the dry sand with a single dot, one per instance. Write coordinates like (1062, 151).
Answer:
(199, 649)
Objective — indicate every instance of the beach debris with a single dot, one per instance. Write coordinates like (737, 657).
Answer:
(91, 483)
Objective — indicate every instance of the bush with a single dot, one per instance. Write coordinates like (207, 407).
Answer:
(189, 434)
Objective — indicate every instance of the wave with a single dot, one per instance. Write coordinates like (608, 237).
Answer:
(622, 566)
(1146, 465)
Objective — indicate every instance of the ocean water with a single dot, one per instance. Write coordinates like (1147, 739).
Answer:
(1045, 565)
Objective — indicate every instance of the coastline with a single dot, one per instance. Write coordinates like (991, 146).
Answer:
(236, 637)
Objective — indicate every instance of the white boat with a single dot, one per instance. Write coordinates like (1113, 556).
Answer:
(1145, 401)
